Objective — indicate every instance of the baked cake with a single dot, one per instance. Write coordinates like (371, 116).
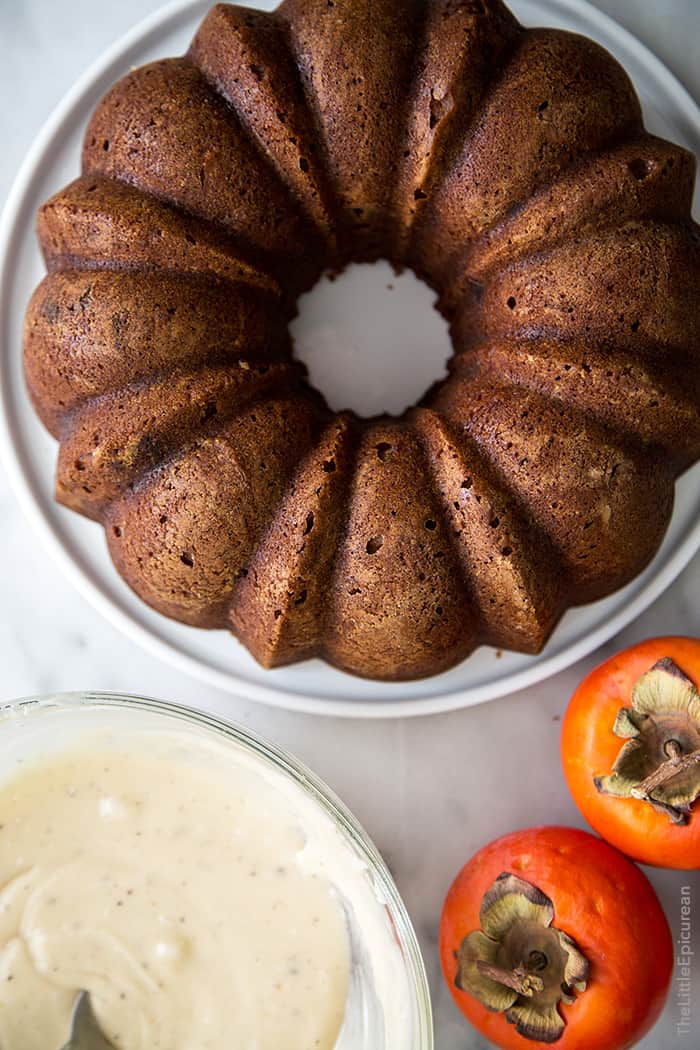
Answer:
(510, 169)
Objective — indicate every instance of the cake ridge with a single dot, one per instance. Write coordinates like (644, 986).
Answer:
(309, 193)
(124, 449)
(349, 85)
(216, 428)
(542, 134)
(89, 332)
(397, 568)
(222, 242)
(296, 595)
(499, 245)
(605, 465)
(256, 368)
(251, 370)
(272, 220)
(446, 126)
(581, 237)
(487, 486)
(312, 110)
(571, 289)
(680, 444)
(183, 562)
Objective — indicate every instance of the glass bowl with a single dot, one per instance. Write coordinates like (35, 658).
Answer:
(388, 1005)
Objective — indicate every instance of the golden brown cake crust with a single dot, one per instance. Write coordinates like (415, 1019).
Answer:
(89, 333)
(245, 54)
(96, 223)
(510, 169)
(183, 536)
(149, 133)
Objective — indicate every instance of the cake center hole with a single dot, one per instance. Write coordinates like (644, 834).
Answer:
(372, 341)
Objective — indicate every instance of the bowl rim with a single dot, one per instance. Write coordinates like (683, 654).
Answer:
(304, 778)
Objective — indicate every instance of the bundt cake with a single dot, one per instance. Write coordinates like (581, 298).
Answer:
(510, 169)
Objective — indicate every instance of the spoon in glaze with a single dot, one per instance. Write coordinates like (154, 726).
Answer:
(85, 1033)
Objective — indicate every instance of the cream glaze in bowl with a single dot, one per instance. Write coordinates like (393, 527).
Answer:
(193, 878)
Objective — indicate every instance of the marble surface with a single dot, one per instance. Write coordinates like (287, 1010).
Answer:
(430, 791)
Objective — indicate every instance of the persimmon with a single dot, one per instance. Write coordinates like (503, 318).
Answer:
(550, 935)
(631, 751)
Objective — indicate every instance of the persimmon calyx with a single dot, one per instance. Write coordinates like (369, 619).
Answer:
(660, 761)
(518, 963)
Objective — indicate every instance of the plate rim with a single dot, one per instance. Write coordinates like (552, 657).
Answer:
(231, 682)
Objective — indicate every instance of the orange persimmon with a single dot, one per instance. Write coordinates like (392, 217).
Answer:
(631, 751)
(549, 935)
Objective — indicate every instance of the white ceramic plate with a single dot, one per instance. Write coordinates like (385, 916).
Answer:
(78, 546)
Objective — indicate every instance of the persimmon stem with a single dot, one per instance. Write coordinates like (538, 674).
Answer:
(676, 763)
(518, 979)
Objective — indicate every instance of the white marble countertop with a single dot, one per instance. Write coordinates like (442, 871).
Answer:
(405, 779)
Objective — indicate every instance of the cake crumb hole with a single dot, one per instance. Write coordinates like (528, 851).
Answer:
(640, 169)
(374, 544)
